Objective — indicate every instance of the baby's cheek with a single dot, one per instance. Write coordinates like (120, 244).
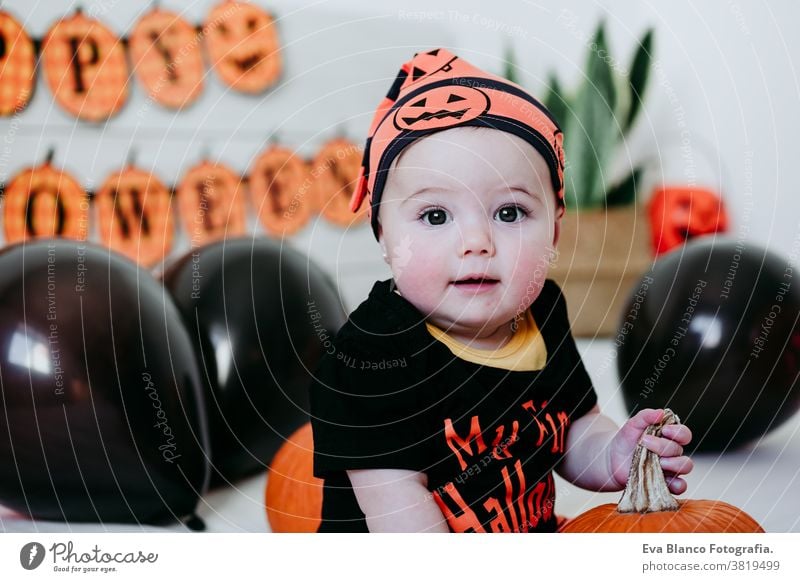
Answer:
(420, 270)
(530, 271)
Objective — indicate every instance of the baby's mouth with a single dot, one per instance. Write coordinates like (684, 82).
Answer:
(475, 282)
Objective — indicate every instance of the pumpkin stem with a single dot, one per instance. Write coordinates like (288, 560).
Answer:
(647, 489)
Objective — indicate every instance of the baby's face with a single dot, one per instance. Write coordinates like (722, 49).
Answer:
(469, 201)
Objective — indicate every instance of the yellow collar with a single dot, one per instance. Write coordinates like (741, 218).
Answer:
(525, 351)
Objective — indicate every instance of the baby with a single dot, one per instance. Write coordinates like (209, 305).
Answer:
(456, 389)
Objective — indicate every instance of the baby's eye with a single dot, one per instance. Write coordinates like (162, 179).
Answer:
(512, 213)
(437, 216)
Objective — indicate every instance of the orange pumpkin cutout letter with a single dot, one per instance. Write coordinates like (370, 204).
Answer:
(243, 46)
(85, 67)
(280, 191)
(17, 66)
(167, 58)
(135, 216)
(678, 214)
(45, 202)
(211, 204)
(334, 172)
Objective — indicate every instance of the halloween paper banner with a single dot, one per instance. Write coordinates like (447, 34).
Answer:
(133, 208)
(88, 68)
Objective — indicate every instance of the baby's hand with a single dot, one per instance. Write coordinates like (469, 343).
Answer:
(669, 447)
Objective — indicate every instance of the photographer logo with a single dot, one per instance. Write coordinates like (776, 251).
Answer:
(31, 555)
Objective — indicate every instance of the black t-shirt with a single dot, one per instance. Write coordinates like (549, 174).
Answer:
(388, 395)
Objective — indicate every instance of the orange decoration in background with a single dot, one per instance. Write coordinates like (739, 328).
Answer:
(280, 191)
(85, 67)
(243, 46)
(135, 217)
(211, 204)
(334, 172)
(45, 202)
(167, 59)
(678, 214)
(294, 495)
(17, 65)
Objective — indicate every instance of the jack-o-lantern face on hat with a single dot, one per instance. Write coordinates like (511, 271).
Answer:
(335, 170)
(211, 203)
(135, 217)
(441, 107)
(280, 191)
(243, 46)
(680, 214)
(430, 63)
(17, 66)
(45, 202)
(85, 67)
(167, 58)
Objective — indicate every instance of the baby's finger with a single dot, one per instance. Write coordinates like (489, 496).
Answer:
(639, 422)
(680, 433)
(677, 465)
(661, 446)
(676, 485)
(646, 416)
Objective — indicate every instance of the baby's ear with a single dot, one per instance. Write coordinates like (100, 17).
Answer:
(557, 228)
(382, 242)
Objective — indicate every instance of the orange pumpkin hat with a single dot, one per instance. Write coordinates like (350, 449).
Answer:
(437, 90)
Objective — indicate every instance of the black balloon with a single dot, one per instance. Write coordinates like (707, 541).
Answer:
(712, 332)
(261, 316)
(102, 417)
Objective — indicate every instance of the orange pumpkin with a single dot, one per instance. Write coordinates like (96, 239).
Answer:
(17, 66)
(134, 209)
(280, 191)
(334, 172)
(167, 58)
(211, 203)
(85, 67)
(647, 506)
(45, 202)
(678, 214)
(294, 495)
(243, 46)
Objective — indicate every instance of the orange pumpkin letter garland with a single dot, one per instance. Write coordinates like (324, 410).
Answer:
(45, 202)
(17, 65)
(280, 191)
(211, 203)
(167, 58)
(243, 47)
(134, 208)
(86, 67)
(334, 171)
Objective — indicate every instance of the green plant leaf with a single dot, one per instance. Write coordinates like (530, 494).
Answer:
(624, 192)
(510, 70)
(637, 76)
(598, 67)
(556, 102)
(593, 129)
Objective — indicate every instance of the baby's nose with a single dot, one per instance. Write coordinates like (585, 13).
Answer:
(476, 238)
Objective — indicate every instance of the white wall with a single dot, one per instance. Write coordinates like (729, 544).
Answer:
(727, 71)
